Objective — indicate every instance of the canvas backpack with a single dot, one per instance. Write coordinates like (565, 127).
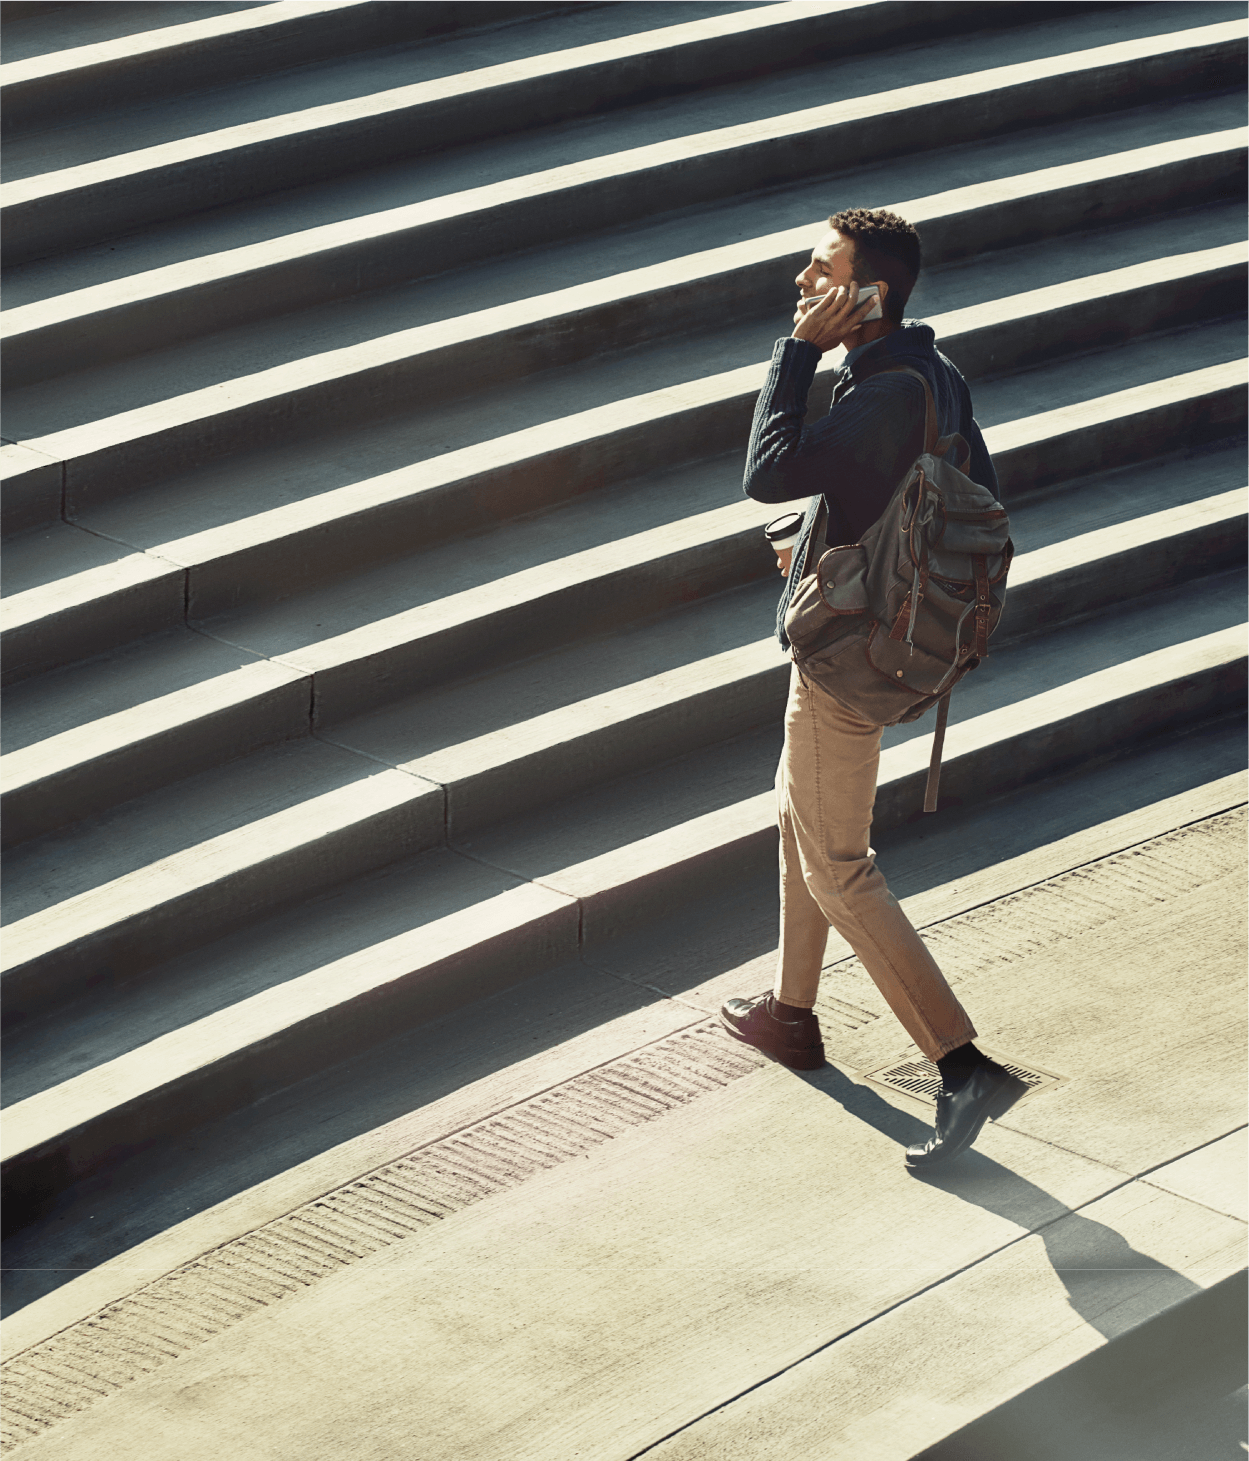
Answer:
(889, 625)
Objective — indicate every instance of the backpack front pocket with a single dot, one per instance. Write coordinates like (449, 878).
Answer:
(909, 667)
(827, 599)
(842, 577)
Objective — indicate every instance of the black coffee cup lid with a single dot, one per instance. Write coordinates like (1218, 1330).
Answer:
(783, 527)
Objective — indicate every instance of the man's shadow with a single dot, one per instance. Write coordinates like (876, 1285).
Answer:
(1163, 1386)
(1100, 1270)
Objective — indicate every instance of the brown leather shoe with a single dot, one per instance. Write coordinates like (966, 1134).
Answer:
(795, 1043)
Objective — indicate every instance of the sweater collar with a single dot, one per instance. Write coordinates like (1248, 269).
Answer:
(911, 340)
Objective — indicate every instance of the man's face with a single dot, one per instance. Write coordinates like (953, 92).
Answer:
(832, 263)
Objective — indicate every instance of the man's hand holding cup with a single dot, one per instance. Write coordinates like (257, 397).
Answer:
(782, 533)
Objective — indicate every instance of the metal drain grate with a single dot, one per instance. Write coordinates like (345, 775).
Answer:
(919, 1077)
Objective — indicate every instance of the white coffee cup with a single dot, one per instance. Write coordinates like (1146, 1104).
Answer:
(783, 531)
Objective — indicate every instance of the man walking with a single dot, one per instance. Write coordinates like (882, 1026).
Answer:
(850, 461)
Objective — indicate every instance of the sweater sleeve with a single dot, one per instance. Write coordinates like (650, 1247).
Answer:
(869, 426)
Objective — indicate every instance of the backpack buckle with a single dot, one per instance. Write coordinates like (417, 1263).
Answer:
(980, 566)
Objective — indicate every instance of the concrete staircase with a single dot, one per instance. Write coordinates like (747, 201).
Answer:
(385, 623)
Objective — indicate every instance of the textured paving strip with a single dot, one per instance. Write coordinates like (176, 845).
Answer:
(66, 1373)
(71, 1370)
(1088, 898)
(1014, 928)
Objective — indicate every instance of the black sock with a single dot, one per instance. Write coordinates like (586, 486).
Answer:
(958, 1066)
(788, 1011)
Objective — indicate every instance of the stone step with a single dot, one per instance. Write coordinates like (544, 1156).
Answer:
(383, 641)
(107, 322)
(441, 1076)
(458, 927)
(63, 67)
(118, 429)
(495, 761)
(1094, 1243)
(705, 552)
(621, 883)
(334, 1010)
(58, 775)
(87, 596)
(335, 817)
(33, 487)
(118, 892)
(373, 346)
(130, 168)
(61, 206)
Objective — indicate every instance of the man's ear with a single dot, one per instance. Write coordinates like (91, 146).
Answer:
(884, 291)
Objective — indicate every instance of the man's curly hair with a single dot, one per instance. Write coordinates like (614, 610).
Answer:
(885, 247)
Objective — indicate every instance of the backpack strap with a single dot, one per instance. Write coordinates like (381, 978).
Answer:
(817, 542)
(980, 567)
(934, 444)
(934, 764)
(931, 437)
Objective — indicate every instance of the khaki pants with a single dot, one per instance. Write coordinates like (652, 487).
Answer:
(825, 788)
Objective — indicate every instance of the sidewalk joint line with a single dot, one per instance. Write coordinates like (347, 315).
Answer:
(863, 1324)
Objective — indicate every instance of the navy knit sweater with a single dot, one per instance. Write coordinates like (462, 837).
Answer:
(853, 457)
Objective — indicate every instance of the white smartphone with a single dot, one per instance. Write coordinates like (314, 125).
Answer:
(875, 312)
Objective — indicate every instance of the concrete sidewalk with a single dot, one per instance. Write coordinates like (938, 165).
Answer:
(673, 1246)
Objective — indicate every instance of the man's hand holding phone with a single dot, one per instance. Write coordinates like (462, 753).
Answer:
(828, 318)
